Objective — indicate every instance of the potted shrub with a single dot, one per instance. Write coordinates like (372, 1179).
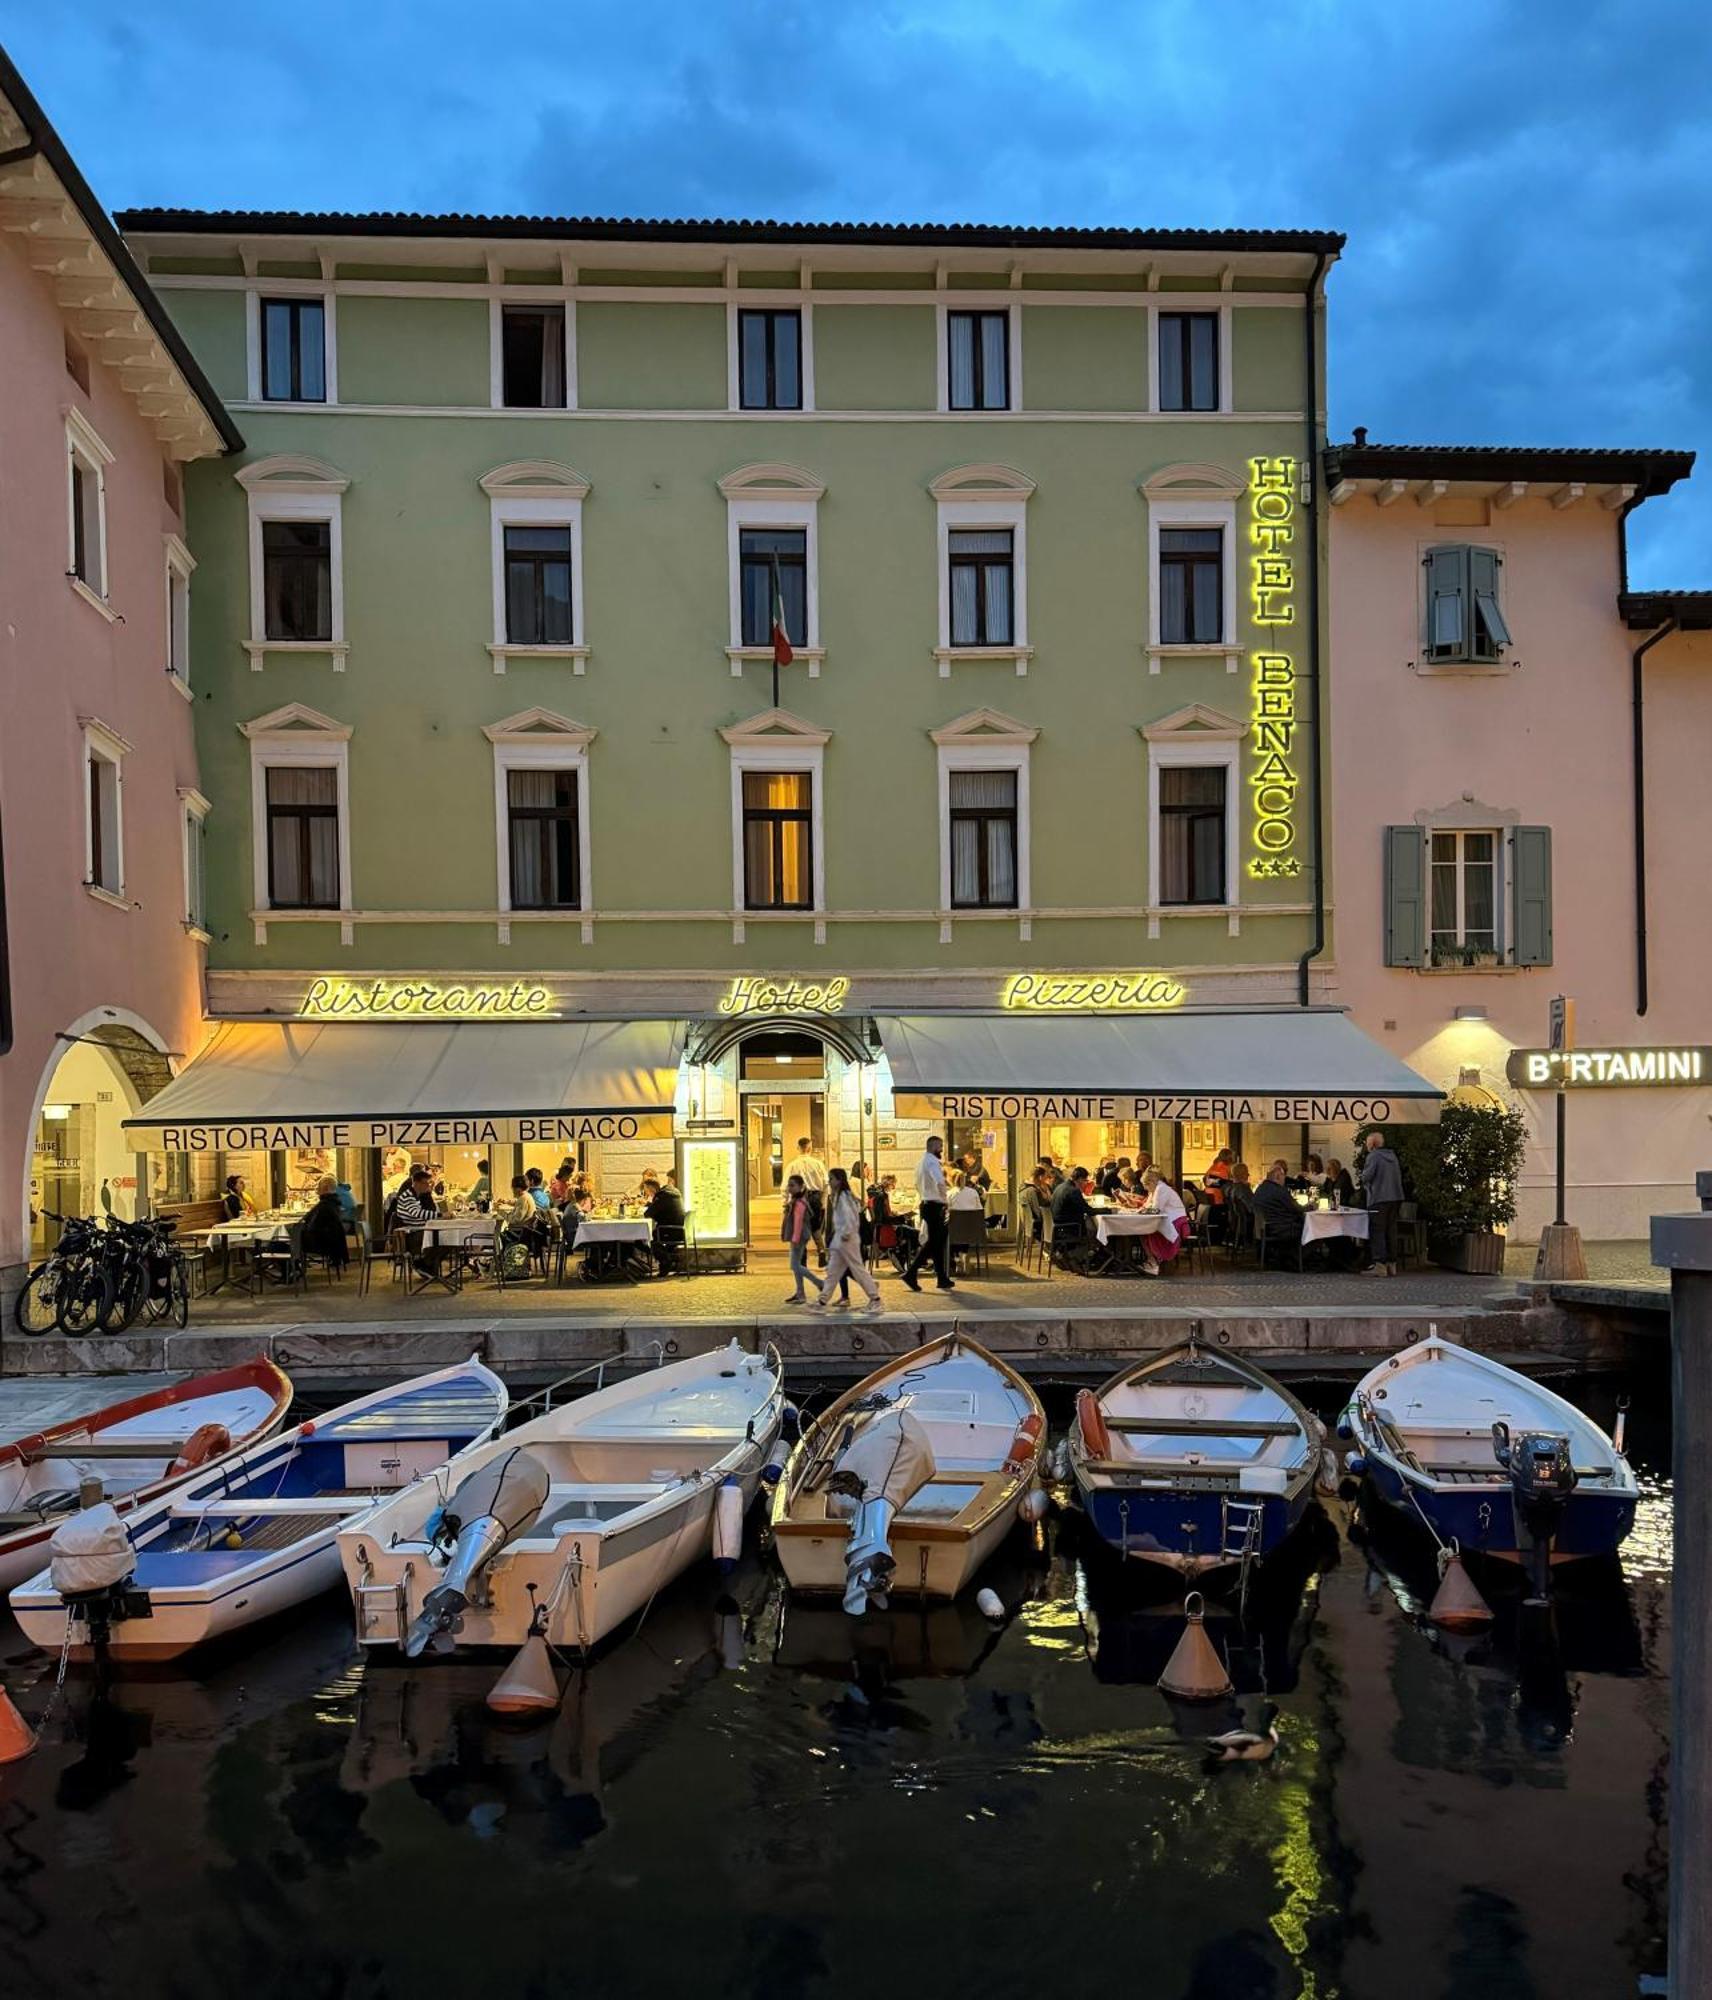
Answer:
(1461, 1174)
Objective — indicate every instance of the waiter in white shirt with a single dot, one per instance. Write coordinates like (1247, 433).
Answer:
(930, 1188)
(812, 1169)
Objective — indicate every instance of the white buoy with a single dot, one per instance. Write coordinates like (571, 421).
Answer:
(727, 1526)
(1035, 1502)
(989, 1603)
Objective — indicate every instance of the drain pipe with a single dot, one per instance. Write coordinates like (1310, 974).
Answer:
(1310, 412)
(1638, 701)
(11, 158)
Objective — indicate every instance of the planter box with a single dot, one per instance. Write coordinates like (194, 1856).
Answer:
(1479, 1251)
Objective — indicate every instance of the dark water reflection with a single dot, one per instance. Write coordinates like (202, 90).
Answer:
(748, 1797)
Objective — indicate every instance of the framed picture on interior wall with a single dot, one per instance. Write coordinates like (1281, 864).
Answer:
(1203, 1138)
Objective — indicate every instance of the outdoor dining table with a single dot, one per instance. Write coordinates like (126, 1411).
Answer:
(246, 1232)
(1120, 1230)
(603, 1238)
(1322, 1225)
(458, 1239)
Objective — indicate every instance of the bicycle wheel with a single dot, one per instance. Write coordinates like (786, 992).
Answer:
(85, 1293)
(180, 1292)
(130, 1288)
(36, 1307)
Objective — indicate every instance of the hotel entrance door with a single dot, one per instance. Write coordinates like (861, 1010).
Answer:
(782, 1082)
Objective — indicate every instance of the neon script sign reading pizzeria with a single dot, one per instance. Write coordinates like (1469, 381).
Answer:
(422, 1000)
(1091, 993)
(1272, 605)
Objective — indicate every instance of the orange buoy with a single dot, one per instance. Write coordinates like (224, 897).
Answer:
(529, 1685)
(1194, 1671)
(17, 1738)
(1457, 1605)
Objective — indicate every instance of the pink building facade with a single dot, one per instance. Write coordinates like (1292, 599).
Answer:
(1509, 824)
(98, 783)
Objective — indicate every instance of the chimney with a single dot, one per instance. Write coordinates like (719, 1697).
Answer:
(1360, 437)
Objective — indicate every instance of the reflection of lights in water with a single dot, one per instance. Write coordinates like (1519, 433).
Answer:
(1649, 1550)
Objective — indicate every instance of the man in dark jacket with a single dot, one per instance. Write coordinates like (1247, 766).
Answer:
(1382, 1190)
(1274, 1209)
(1072, 1220)
(665, 1211)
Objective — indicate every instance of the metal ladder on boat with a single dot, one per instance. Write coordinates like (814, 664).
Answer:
(1240, 1542)
(381, 1606)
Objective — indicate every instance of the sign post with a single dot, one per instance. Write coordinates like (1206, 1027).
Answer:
(1560, 1254)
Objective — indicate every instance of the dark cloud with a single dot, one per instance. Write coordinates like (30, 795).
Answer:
(1525, 185)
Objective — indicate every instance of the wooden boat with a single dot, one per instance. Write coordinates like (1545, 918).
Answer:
(256, 1533)
(136, 1449)
(1423, 1423)
(1194, 1459)
(986, 1429)
(580, 1515)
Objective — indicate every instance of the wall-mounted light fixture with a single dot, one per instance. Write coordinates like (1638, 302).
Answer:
(1469, 1014)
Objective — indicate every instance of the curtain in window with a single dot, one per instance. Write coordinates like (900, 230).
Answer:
(983, 827)
(758, 551)
(544, 863)
(961, 333)
(303, 834)
(776, 839)
(1191, 834)
(995, 390)
(980, 586)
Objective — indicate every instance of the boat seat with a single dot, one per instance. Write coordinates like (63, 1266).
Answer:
(1208, 1426)
(1495, 1473)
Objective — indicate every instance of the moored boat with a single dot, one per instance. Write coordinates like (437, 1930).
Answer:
(1487, 1459)
(133, 1451)
(1194, 1459)
(573, 1521)
(255, 1533)
(982, 1428)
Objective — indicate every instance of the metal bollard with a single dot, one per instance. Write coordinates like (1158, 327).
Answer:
(1682, 1244)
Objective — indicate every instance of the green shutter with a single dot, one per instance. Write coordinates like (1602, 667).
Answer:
(1491, 635)
(1448, 604)
(1405, 896)
(1531, 874)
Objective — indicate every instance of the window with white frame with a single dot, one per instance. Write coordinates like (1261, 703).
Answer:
(179, 564)
(777, 814)
(978, 359)
(983, 565)
(1192, 574)
(1465, 893)
(195, 809)
(541, 814)
(536, 523)
(104, 753)
(769, 359)
(533, 358)
(87, 460)
(297, 589)
(773, 551)
(1188, 360)
(292, 348)
(1193, 774)
(301, 811)
(983, 812)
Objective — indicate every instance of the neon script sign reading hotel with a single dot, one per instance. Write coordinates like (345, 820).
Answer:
(1272, 605)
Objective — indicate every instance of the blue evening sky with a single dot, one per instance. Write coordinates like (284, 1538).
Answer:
(1524, 182)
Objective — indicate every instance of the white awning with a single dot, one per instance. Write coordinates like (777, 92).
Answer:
(1296, 1067)
(274, 1085)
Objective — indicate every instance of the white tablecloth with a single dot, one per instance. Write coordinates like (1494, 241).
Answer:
(456, 1229)
(1319, 1225)
(246, 1232)
(1130, 1222)
(638, 1231)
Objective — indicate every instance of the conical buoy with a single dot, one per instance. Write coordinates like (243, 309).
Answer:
(17, 1738)
(529, 1685)
(1458, 1606)
(1194, 1671)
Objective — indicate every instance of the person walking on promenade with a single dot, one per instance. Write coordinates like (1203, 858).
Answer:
(1382, 1189)
(798, 1231)
(812, 1168)
(844, 1233)
(930, 1191)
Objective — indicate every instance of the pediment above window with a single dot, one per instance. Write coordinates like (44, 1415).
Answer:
(540, 725)
(985, 725)
(775, 725)
(1195, 722)
(771, 482)
(982, 482)
(291, 472)
(295, 719)
(534, 479)
(1467, 811)
(1192, 482)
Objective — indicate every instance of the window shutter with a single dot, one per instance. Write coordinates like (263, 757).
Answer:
(1531, 875)
(1405, 896)
(1491, 634)
(1448, 604)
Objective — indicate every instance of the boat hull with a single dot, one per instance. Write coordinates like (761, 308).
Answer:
(1184, 1530)
(1482, 1519)
(930, 1564)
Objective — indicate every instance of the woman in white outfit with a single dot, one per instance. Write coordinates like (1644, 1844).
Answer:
(844, 1242)
(1167, 1204)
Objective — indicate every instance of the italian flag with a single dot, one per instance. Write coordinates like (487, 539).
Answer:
(782, 654)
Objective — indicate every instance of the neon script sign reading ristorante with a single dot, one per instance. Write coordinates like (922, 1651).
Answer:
(1272, 594)
(421, 1000)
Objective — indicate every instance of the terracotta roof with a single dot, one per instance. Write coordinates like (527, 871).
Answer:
(1649, 470)
(1644, 609)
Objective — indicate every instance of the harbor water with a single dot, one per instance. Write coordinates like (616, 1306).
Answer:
(747, 1796)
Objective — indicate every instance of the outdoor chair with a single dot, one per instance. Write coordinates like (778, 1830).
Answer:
(1270, 1241)
(967, 1232)
(1411, 1245)
(1241, 1239)
(391, 1251)
(284, 1262)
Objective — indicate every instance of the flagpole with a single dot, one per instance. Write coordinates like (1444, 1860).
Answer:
(779, 606)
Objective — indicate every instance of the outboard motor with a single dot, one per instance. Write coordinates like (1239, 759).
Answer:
(886, 1464)
(1542, 1477)
(91, 1563)
(492, 1507)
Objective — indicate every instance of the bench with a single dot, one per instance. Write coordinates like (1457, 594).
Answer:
(97, 1447)
(1208, 1426)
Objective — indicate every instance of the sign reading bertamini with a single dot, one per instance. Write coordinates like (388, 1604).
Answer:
(1606, 1069)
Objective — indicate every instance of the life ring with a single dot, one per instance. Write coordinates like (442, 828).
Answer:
(205, 1443)
(1025, 1446)
(1096, 1439)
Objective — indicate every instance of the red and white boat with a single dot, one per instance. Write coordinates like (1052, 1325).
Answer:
(136, 1449)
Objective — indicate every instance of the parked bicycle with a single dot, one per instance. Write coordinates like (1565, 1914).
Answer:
(100, 1279)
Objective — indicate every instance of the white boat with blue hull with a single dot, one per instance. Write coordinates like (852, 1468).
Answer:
(1194, 1460)
(257, 1533)
(1488, 1460)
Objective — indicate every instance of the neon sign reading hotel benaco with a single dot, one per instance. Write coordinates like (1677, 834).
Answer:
(1272, 591)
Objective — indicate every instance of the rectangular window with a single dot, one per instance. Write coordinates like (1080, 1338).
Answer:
(88, 521)
(1464, 896)
(769, 360)
(1188, 361)
(1191, 586)
(532, 356)
(178, 620)
(978, 360)
(195, 848)
(297, 580)
(763, 555)
(294, 350)
(778, 840)
(545, 864)
(983, 840)
(983, 586)
(538, 586)
(303, 837)
(106, 863)
(1465, 621)
(1192, 834)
